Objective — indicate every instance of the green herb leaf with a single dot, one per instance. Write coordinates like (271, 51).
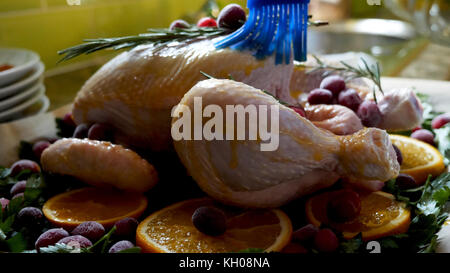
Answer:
(351, 246)
(443, 141)
(251, 250)
(207, 75)
(17, 243)
(61, 248)
(104, 241)
(131, 250)
(373, 72)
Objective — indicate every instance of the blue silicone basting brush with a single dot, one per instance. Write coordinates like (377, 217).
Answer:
(273, 27)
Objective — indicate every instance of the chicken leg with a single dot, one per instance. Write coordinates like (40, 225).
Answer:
(308, 158)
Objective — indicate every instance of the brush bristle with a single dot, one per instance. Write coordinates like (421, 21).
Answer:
(273, 27)
(262, 3)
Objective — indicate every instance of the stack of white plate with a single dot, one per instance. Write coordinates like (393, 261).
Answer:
(22, 92)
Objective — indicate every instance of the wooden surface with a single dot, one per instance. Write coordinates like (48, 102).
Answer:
(44, 125)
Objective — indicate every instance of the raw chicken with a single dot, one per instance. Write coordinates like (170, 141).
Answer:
(337, 119)
(136, 91)
(308, 158)
(100, 164)
(401, 109)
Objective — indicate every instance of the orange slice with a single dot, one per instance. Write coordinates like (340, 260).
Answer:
(381, 215)
(105, 206)
(420, 159)
(170, 230)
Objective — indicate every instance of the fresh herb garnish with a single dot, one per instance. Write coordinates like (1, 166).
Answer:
(427, 205)
(442, 135)
(372, 72)
(157, 37)
(251, 250)
(443, 141)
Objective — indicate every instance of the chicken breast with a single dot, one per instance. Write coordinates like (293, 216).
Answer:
(308, 158)
(136, 91)
(100, 164)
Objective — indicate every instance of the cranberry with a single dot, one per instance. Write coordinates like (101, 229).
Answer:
(50, 237)
(77, 241)
(326, 241)
(370, 114)
(405, 182)
(334, 83)
(100, 132)
(19, 195)
(121, 245)
(179, 24)
(23, 165)
(399, 154)
(232, 17)
(68, 120)
(29, 217)
(299, 110)
(344, 206)
(424, 135)
(305, 233)
(126, 227)
(39, 147)
(207, 22)
(350, 99)
(90, 229)
(320, 96)
(440, 121)
(19, 187)
(210, 221)
(81, 131)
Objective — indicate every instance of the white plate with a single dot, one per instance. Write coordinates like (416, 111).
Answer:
(23, 61)
(25, 82)
(20, 97)
(15, 113)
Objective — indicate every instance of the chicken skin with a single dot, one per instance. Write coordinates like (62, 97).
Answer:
(308, 158)
(136, 91)
(100, 164)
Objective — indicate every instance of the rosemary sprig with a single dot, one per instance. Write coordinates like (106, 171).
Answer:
(158, 37)
(350, 72)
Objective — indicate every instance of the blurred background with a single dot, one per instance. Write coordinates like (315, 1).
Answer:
(409, 37)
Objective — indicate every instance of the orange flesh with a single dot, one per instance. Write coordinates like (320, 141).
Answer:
(376, 211)
(173, 229)
(92, 204)
(410, 159)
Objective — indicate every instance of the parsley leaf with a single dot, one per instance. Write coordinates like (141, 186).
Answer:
(443, 140)
(61, 248)
(352, 246)
(251, 250)
(428, 215)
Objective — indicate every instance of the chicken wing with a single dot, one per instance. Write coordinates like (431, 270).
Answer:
(100, 164)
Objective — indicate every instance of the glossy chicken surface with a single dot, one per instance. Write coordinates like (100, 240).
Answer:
(136, 91)
(100, 164)
(308, 159)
